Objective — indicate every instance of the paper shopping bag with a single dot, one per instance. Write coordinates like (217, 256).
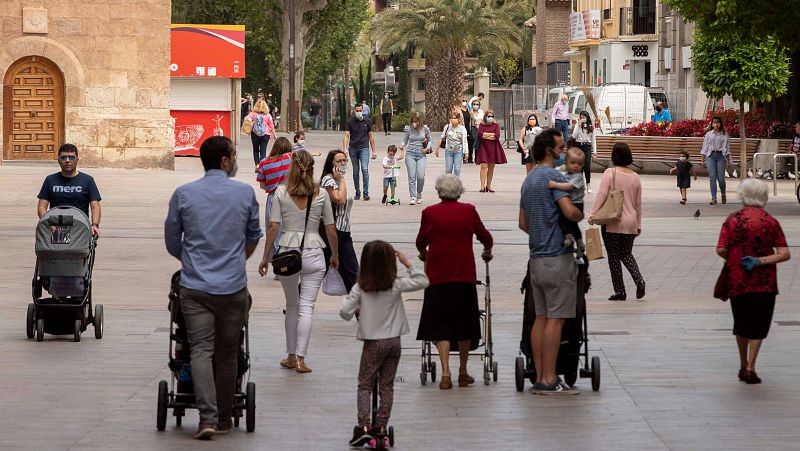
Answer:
(594, 246)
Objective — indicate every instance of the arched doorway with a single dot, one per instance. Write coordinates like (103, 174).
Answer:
(33, 109)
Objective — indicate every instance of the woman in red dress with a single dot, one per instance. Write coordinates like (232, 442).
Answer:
(490, 151)
(752, 243)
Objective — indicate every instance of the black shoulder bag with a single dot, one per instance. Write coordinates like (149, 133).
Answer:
(290, 263)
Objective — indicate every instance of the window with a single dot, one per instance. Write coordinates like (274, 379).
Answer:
(594, 77)
(421, 84)
(604, 73)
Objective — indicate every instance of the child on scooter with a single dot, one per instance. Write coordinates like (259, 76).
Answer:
(376, 300)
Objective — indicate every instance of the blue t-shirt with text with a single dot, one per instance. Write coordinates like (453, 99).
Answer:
(539, 204)
(77, 191)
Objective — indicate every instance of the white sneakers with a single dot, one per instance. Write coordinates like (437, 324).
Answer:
(419, 199)
(588, 188)
(413, 201)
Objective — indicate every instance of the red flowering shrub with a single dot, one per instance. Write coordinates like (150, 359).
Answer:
(754, 121)
(689, 127)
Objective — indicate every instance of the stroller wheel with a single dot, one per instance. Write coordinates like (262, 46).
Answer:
(391, 436)
(98, 321)
(494, 371)
(29, 325)
(250, 406)
(40, 329)
(595, 373)
(161, 409)
(423, 378)
(236, 421)
(519, 373)
(77, 337)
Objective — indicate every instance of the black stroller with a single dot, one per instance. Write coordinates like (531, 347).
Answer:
(428, 366)
(574, 339)
(178, 395)
(64, 261)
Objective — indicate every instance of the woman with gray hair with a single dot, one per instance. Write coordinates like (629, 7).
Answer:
(752, 243)
(450, 308)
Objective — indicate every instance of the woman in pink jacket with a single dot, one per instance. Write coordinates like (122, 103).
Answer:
(263, 129)
(619, 236)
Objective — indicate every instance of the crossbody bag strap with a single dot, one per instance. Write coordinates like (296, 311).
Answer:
(614, 180)
(305, 226)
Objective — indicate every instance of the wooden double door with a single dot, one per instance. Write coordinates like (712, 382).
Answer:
(33, 110)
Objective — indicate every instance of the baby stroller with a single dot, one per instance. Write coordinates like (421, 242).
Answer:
(574, 335)
(489, 365)
(178, 395)
(64, 260)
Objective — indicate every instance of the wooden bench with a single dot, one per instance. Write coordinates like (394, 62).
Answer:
(662, 149)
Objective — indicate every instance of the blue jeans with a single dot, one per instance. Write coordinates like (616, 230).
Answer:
(360, 160)
(416, 162)
(715, 162)
(562, 125)
(453, 161)
(259, 147)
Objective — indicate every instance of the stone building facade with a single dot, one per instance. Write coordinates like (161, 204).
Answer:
(550, 38)
(94, 73)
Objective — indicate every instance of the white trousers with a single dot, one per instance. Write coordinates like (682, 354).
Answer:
(301, 291)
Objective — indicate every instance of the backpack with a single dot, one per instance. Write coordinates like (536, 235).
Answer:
(260, 125)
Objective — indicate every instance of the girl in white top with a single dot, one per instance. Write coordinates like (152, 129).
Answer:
(584, 136)
(289, 209)
(455, 145)
(377, 302)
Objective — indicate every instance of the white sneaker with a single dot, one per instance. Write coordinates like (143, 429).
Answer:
(588, 188)
(412, 201)
(419, 199)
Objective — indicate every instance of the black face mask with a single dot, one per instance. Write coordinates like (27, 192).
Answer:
(658, 108)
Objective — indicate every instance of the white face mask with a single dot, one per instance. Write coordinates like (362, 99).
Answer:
(489, 120)
(301, 141)
(683, 158)
(343, 168)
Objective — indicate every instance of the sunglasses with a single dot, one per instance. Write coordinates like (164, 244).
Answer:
(489, 117)
(67, 157)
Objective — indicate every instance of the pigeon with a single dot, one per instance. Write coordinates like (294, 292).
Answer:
(697, 214)
(749, 173)
(791, 176)
(735, 174)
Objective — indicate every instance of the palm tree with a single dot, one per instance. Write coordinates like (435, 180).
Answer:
(445, 30)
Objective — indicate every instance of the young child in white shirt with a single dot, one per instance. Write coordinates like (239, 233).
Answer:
(377, 301)
(390, 172)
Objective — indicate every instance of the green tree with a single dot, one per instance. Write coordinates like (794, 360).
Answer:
(742, 68)
(444, 30)
(403, 101)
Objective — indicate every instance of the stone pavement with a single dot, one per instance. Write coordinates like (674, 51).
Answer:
(668, 362)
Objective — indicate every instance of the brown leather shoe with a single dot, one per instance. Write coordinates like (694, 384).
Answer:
(724, 199)
(289, 363)
(445, 383)
(301, 367)
(465, 380)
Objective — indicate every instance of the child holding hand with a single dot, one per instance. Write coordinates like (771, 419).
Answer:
(377, 300)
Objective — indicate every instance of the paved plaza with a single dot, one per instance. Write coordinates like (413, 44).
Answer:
(669, 362)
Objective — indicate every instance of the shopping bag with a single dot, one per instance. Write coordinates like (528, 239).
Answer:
(332, 284)
(247, 126)
(721, 287)
(611, 210)
(594, 246)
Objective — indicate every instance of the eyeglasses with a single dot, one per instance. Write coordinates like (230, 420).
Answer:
(67, 157)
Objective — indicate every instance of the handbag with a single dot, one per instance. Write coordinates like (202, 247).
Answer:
(247, 126)
(290, 263)
(594, 247)
(611, 210)
(443, 142)
(721, 287)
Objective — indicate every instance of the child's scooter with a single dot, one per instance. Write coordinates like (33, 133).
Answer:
(379, 442)
(394, 200)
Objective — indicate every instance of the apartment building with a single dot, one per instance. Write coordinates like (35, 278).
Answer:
(550, 30)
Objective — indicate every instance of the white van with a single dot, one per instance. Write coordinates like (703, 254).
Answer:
(619, 106)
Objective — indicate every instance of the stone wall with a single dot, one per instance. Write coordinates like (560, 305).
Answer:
(115, 56)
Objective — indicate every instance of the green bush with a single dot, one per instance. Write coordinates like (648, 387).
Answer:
(400, 120)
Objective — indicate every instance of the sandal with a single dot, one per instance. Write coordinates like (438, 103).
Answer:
(713, 202)
(683, 201)
(489, 190)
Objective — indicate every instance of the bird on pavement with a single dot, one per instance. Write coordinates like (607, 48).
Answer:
(697, 214)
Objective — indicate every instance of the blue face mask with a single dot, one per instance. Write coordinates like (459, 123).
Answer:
(475, 107)
(359, 115)
(489, 120)
(464, 103)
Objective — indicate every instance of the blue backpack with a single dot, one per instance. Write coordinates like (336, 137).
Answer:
(260, 125)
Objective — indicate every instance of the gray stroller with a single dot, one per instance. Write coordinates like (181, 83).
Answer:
(64, 260)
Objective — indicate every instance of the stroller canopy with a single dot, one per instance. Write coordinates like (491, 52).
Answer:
(63, 242)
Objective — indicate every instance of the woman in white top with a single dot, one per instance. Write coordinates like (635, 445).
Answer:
(716, 155)
(455, 143)
(527, 135)
(584, 136)
(333, 181)
(477, 119)
(377, 300)
(289, 210)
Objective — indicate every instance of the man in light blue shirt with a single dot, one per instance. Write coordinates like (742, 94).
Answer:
(212, 228)
(661, 114)
(553, 273)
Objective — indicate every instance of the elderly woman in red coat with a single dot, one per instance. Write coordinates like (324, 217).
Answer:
(450, 309)
(752, 243)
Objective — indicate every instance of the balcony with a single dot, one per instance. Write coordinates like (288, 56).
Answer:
(637, 20)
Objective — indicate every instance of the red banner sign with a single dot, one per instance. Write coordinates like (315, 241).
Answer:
(215, 51)
(193, 127)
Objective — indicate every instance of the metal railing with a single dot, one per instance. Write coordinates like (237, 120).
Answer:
(775, 158)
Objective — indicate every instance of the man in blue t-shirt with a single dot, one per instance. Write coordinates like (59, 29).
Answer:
(71, 188)
(553, 272)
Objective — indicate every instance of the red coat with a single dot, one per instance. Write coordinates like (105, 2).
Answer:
(446, 234)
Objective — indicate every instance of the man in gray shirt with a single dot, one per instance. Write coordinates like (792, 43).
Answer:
(212, 228)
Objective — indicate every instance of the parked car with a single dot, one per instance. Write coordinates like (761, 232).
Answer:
(619, 105)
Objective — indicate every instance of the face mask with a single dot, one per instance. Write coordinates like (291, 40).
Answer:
(233, 169)
(359, 115)
(683, 158)
(583, 121)
(386, 97)
(475, 107)
(658, 108)
(300, 142)
(489, 120)
(464, 103)
(343, 169)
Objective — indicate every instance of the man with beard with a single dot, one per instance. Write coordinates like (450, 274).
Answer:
(212, 227)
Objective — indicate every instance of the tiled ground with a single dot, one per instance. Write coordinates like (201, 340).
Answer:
(668, 362)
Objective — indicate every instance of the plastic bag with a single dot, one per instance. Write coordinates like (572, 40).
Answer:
(333, 285)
